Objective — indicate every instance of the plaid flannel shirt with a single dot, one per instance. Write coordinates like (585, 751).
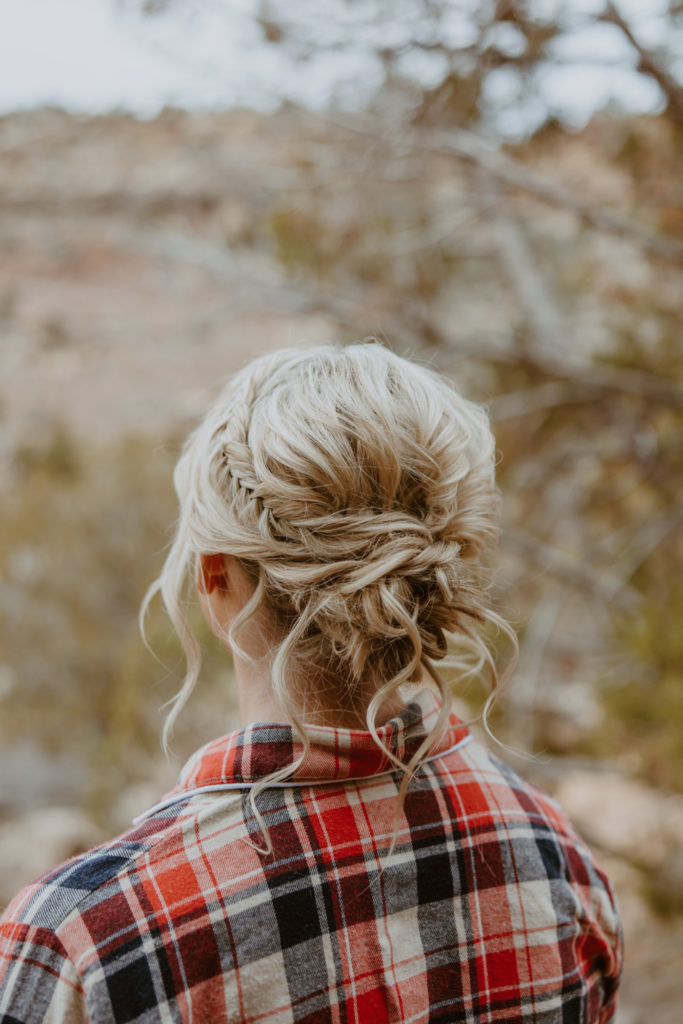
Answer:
(489, 908)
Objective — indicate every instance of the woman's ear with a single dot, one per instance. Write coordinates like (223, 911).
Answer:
(211, 573)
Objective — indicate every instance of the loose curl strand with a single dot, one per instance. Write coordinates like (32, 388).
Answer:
(357, 490)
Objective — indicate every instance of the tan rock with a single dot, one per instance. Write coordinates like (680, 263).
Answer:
(623, 816)
(37, 841)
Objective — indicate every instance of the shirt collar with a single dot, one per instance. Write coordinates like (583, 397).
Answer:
(241, 758)
(259, 749)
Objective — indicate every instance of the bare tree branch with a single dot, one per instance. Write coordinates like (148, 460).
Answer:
(572, 383)
(153, 203)
(600, 377)
(468, 146)
(648, 63)
(646, 539)
(522, 698)
(437, 231)
(546, 396)
(603, 586)
(519, 263)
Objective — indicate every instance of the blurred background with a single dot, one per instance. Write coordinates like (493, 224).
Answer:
(494, 187)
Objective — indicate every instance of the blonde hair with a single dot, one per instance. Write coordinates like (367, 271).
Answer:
(357, 488)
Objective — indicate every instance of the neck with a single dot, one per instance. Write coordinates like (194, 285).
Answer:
(324, 696)
(258, 702)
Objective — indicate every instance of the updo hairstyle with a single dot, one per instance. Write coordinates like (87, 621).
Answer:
(357, 489)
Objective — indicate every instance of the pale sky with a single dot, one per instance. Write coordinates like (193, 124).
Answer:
(95, 55)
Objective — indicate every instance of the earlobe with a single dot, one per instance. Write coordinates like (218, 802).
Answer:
(211, 573)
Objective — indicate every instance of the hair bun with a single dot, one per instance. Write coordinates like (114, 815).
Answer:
(358, 487)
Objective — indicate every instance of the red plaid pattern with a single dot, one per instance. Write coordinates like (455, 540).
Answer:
(489, 908)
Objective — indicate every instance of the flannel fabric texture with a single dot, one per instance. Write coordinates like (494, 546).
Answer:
(489, 908)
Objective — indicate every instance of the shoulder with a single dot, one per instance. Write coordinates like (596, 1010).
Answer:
(534, 855)
(48, 901)
(39, 980)
(532, 828)
(47, 926)
(491, 786)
